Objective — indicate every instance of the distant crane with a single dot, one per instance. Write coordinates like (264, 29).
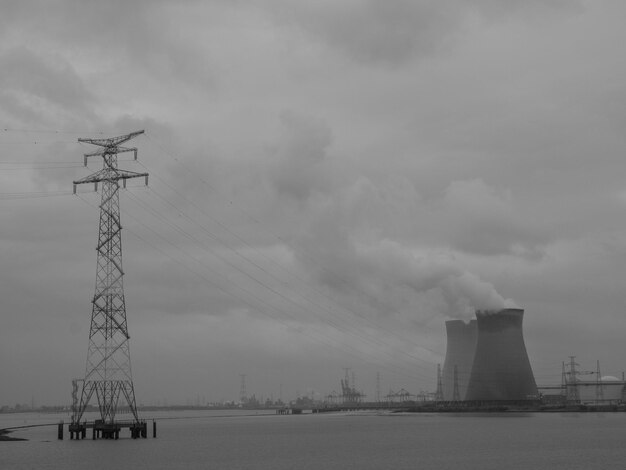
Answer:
(349, 392)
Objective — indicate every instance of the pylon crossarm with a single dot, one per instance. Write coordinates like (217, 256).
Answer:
(100, 175)
(107, 175)
(112, 141)
(110, 151)
(126, 174)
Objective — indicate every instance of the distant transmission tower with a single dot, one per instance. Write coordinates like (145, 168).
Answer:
(108, 372)
(573, 395)
(599, 387)
(243, 394)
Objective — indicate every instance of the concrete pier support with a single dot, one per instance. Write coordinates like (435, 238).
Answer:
(102, 430)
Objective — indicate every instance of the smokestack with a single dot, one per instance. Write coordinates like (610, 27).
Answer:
(460, 350)
(501, 369)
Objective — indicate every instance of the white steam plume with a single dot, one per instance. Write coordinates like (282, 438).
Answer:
(387, 265)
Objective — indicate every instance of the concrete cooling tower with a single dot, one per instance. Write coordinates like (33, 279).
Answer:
(460, 354)
(501, 369)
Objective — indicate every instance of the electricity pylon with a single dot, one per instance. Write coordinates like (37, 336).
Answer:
(243, 395)
(573, 395)
(108, 372)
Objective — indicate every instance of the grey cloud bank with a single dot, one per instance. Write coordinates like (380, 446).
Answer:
(329, 182)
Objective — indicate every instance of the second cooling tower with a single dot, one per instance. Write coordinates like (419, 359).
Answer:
(501, 369)
(461, 344)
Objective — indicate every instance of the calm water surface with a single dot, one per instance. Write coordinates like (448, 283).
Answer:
(240, 440)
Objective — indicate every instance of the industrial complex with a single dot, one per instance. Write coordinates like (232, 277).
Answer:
(486, 361)
(486, 367)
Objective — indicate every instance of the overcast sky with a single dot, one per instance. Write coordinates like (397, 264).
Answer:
(329, 182)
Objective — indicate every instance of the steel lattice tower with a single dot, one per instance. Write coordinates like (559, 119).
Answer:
(108, 371)
(573, 395)
(599, 387)
(243, 395)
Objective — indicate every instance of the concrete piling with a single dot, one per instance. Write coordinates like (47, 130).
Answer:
(101, 430)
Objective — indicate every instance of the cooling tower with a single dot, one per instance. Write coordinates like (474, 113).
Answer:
(460, 354)
(501, 369)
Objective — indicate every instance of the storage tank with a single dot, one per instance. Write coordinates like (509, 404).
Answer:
(501, 369)
(461, 344)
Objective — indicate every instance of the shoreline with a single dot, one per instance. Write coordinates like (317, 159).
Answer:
(4, 432)
(4, 436)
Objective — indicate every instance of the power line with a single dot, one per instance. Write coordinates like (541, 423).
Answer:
(42, 167)
(40, 162)
(232, 233)
(348, 330)
(293, 275)
(33, 194)
(307, 295)
(258, 304)
(53, 131)
(251, 299)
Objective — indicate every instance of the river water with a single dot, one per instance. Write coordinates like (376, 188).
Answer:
(249, 440)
